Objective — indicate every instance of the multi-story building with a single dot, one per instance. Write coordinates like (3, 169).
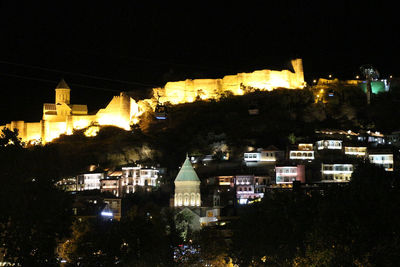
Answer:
(303, 152)
(268, 155)
(288, 174)
(111, 183)
(384, 159)
(89, 180)
(137, 176)
(250, 187)
(358, 151)
(329, 144)
(336, 172)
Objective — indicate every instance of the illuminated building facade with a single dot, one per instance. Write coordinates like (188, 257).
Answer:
(62, 117)
(110, 185)
(329, 144)
(288, 174)
(250, 187)
(303, 152)
(336, 172)
(89, 181)
(137, 176)
(359, 151)
(269, 155)
(382, 159)
(187, 187)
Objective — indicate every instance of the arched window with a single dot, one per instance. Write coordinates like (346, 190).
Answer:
(179, 199)
(186, 199)
(198, 202)
(192, 199)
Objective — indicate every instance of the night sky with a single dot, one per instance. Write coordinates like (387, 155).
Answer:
(101, 49)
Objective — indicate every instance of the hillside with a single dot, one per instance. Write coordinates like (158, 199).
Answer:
(211, 127)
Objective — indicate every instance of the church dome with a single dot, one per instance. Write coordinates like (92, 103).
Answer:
(187, 173)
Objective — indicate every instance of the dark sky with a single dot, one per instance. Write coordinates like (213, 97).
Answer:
(136, 46)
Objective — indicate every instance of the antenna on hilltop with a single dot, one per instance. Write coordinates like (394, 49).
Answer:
(370, 73)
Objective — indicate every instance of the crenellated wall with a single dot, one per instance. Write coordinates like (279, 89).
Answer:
(189, 90)
(62, 118)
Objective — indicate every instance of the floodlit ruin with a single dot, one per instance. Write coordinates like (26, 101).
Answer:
(62, 117)
(265, 80)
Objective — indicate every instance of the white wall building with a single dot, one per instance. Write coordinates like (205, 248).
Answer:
(382, 159)
(89, 181)
(137, 176)
(329, 144)
(336, 172)
(268, 155)
(303, 152)
(358, 151)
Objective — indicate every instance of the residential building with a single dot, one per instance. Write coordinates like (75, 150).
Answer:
(288, 174)
(336, 172)
(329, 144)
(384, 159)
(90, 180)
(358, 151)
(111, 185)
(268, 155)
(303, 152)
(250, 187)
(137, 176)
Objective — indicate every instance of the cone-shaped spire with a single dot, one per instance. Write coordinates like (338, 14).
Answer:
(62, 85)
(187, 173)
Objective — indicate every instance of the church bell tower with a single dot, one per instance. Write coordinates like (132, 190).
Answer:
(63, 93)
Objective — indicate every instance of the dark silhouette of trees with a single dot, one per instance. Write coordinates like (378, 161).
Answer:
(352, 225)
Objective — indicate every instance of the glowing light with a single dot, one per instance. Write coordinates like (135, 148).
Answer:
(135, 120)
(115, 120)
(92, 131)
(106, 214)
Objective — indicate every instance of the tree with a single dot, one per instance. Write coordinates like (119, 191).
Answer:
(10, 138)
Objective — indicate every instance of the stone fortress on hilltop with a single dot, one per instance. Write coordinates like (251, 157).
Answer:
(62, 117)
(189, 90)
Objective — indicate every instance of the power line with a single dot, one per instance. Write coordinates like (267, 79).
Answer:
(54, 82)
(77, 74)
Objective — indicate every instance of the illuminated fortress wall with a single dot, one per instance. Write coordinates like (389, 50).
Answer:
(62, 117)
(189, 90)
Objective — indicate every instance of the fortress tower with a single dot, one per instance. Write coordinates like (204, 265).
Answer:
(63, 93)
(298, 70)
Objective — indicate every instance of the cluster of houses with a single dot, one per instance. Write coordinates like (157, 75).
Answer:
(330, 158)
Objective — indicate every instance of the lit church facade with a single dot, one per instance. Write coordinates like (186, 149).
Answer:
(62, 117)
